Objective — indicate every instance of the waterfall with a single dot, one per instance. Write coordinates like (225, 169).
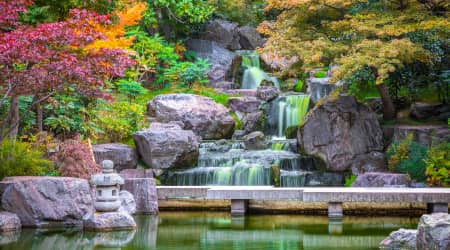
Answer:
(253, 74)
(287, 111)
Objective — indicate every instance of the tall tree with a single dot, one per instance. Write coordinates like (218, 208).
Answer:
(356, 35)
(55, 58)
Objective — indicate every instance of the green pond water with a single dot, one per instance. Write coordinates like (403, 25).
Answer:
(220, 231)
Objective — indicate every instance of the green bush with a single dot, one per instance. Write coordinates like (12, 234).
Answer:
(21, 159)
(349, 180)
(438, 165)
(299, 86)
(130, 88)
(407, 157)
(320, 74)
(118, 121)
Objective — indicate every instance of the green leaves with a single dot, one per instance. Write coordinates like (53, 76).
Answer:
(130, 88)
(438, 165)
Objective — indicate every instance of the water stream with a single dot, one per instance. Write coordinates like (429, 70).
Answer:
(253, 74)
(229, 163)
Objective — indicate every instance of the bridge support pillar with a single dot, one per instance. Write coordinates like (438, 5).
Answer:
(335, 210)
(437, 208)
(239, 207)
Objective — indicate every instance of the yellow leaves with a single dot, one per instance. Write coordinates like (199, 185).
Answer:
(382, 57)
(129, 15)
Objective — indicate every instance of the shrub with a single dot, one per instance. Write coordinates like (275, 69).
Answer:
(407, 157)
(299, 86)
(131, 89)
(118, 121)
(349, 180)
(19, 158)
(75, 159)
(438, 165)
(320, 74)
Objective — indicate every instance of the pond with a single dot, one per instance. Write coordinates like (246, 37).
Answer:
(220, 231)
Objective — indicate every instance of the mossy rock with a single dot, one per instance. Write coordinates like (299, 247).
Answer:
(291, 132)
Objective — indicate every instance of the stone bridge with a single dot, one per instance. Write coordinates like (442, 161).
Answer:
(437, 199)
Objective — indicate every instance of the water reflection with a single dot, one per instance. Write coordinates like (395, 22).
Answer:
(202, 231)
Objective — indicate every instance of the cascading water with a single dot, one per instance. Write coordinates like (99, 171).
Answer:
(253, 74)
(285, 112)
(231, 164)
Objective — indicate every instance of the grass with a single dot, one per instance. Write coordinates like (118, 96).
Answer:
(321, 74)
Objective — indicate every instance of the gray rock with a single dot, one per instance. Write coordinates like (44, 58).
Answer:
(253, 121)
(400, 239)
(9, 222)
(220, 58)
(428, 111)
(433, 232)
(339, 130)
(127, 202)
(371, 162)
(208, 119)
(47, 202)
(425, 134)
(246, 104)
(239, 134)
(254, 141)
(267, 93)
(123, 156)
(382, 180)
(250, 39)
(165, 146)
(222, 32)
(110, 221)
(136, 173)
(144, 193)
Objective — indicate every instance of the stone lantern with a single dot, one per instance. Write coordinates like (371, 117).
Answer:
(107, 185)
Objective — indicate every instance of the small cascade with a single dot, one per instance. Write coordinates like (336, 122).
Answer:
(253, 74)
(229, 163)
(285, 112)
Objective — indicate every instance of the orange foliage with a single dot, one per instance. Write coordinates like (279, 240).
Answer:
(129, 15)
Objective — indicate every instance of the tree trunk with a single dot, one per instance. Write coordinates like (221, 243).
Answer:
(13, 117)
(388, 105)
(37, 104)
(39, 117)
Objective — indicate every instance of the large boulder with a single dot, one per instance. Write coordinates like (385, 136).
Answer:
(245, 104)
(164, 146)
(220, 58)
(200, 114)
(401, 239)
(250, 39)
(222, 32)
(433, 232)
(123, 156)
(9, 222)
(110, 221)
(338, 131)
(47, 201)
(382, 180)
(144, 193)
